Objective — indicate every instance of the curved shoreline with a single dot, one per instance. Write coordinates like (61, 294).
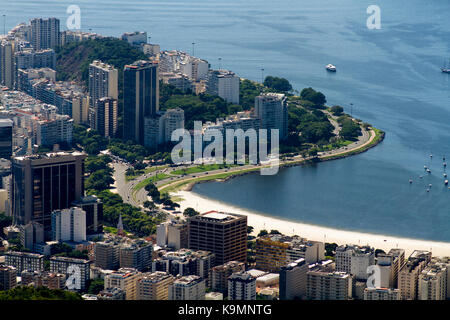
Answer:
(260, 221)
(189, 183)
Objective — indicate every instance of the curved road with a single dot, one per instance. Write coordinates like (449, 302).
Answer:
(125, 189)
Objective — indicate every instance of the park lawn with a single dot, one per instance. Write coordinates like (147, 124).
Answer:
(201, 168)
(153, 179)
(145, 171)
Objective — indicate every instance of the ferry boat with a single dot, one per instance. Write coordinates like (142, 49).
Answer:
(330, 67)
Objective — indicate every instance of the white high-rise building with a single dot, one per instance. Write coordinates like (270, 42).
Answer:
(136, 38)
(173, 120)
(196, 69)
(224, 84)
(103, 81)
(354, 260)
(69, 225)
(271, 109)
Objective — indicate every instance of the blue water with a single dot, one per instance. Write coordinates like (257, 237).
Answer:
(390, 75)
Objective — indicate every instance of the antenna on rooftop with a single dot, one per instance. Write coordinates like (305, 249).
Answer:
(4, 24)
(193, 49)
(220, 63)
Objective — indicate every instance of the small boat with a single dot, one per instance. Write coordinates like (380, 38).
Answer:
(330, 67)
(445, 164)
(428, 190)
(446, 182)
(420, 177)
(446, 68)
(431, 156)
(410, 181)
(428, 170)
(445, 175)
(425, 167)
(430, 185)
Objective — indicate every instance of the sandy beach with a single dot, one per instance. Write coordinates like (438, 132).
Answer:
(312, 232)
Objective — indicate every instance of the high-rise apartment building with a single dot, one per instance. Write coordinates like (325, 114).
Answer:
(106, 255)
(187, 288)
(103, 81)
(45, 33)
(125, 279)
(241, 286)
(220, 274)
(6, 145)
(6, 64)
(224, 84)
(271, 109)
(275, 251)
(53, 131)
(45, 183)
(141, 98)
(432, 282)
(393, 261)
(355, 260)
(325, 284)
(408, 276)
(154, 286)
(135, 255)
(173, 235)
(93, 207)
(71, 266)
(69, 225)
(30, 234)
(224, 234)
(8, 276)
(293, 279)
(104, 117)
(24, 261)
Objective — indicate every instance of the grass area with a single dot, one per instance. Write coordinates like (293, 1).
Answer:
(153, 179)
(139, 173)
(201, 168)
(176, 186)
(379, 134)
(338, 144)
(112, 230)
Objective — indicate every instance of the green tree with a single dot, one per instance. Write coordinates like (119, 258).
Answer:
(336, 110)
(263, 233)
(278, 84)
(190, 212)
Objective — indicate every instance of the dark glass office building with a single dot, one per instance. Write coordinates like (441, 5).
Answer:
(44, 183)
(140, 98)
(6, 127)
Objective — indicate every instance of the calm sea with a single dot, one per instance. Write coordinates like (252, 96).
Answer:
(391, 76)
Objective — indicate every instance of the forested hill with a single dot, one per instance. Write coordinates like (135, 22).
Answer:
(73, 59)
